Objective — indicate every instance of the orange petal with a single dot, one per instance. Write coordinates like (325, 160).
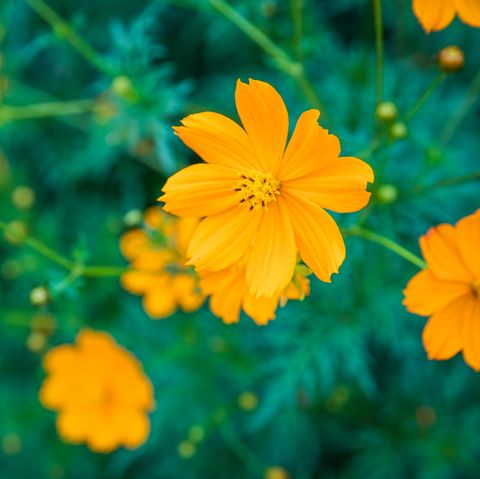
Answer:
(440, 250)
(135, 428)
(217, 139)
(468, 11)
(442, 335)
(273, 256)
(159, 300)
(340, 187)
(262, 309)
(60, 357)
(434, 15)
(223, 239)
(265, 118)
(425, 294)
(133, 243)
(227, 289)
(187, 292)
(135, 282)
(184, 232)
(469, 315)
(311, 148)
(105, 436)
(317, 235)
(200, 190)
(74, 425)
(467, 234)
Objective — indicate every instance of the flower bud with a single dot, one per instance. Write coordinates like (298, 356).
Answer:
(23, 197)
(36, 342)
(133, 218)
(123, 87)
(186, 449)
(39, 296)
(387, 194)
(451, 59)
(398, 131)
(11, 444)
(15, 232)
(276, 472)
(386, 111)
(248, 401)
(196, 434)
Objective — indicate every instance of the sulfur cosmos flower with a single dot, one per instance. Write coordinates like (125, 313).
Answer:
(158, 271)
(448, 290)
(228, 291)
(100, 392)
(262, 199)
(436, 15)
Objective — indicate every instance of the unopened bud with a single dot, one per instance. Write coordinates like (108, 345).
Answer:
(39, 296)
(398, 131)
(23, 197)
(276, 472)
(451, 59)
(386, 111)
(387, 194)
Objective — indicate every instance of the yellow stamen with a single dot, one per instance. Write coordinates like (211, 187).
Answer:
(257, 189)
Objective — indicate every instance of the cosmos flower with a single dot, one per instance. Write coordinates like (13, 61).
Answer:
(158, 271)
(436, 15)
(100, 392)
(261, 198)
(229, 294)
(448, 290)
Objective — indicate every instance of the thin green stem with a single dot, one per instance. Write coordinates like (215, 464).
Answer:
(76, 268)
(387, 243)
(296, 7)
(283, 60)
(447, 183)
(472, 95)
(64, 29)
(436, 82)
(377, 11)
(44, 110)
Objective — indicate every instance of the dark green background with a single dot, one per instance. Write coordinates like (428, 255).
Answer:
(344, 386)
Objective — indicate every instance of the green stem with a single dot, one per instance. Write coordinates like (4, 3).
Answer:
(43, 110)
(448, 182)
(292, 68)
(387, 243)
(76, 269)
(472, 95)
(297, 16)
(64, 30)
(377, 11)
(437, 81)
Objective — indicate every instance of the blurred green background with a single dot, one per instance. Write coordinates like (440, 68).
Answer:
(338, 386)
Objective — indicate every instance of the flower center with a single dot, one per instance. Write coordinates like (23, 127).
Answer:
(258, 189)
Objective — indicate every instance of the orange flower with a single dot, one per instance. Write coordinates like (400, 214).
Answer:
(159, 273)
(448, 290)
(100, 391)
(229, 294)
(259, 195)
(436, 15)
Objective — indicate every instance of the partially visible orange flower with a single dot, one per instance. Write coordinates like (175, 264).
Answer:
(157, 256)
(436, 15)
(228, 291)
(257, 194)
(100, 392)
(448, 290)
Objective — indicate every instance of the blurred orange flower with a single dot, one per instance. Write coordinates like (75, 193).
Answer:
(436, 15)
(100, 391)
(448, 290)
(228, 291)
(157, 256)
(259, 195)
